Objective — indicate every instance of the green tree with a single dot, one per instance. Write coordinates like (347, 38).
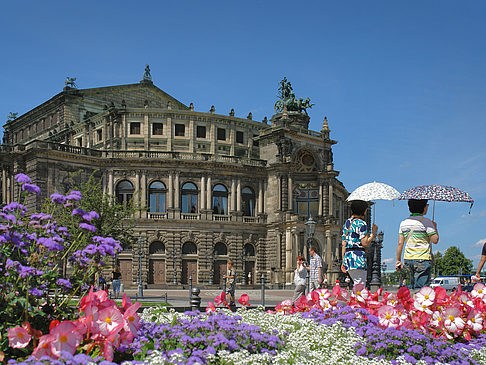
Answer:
(453, 262)
(115, 220)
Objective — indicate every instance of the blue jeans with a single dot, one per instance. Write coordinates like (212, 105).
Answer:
(420, 272)
(116, 286)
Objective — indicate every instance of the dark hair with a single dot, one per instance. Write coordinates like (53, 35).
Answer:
(417, 205)
(313, 248)
(358, 207)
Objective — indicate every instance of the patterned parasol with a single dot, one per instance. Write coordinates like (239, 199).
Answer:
(374, 191)
(437, 192)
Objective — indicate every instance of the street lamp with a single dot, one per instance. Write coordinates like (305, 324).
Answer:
(310, 228)
(376, 265)
(140, 254)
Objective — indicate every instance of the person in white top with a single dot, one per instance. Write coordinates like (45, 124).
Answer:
(300, 275)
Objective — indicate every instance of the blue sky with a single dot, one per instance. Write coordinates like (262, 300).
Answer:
(403, 84)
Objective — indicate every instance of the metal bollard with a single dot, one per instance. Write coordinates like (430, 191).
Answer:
(190, 289)
(165, 297)
(195, 299)
(308, 282)
(263, 289)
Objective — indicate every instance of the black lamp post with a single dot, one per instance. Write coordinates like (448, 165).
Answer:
(376, 265)
(310, 228)
(140, 254)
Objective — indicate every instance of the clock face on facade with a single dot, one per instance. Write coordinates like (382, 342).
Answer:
(306, 161)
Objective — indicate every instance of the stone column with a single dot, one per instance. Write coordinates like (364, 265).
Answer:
(137, 188)
(320, 200)
(238, 196)
(4, 186)
(110, 182)
(192, 135)
(170, 192)
(331, 200)
(329, 254)
(288, 256)
(233, 195)
(170, 134)
(146, 132)
(105, 132)
(143, 192)
(203, 194)
(260, 197)
(290, 194)
(208, 193)
(279, 184)
(123, 132)
(176, 191)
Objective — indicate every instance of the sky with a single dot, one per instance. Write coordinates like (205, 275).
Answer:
(402, 83)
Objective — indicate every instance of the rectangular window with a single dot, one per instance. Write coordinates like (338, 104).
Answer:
(221, 134)
(201, 131)
(135, 128)
(239, 137)
(99, 134)
(180, 130)
(157, 129)
(80, 141)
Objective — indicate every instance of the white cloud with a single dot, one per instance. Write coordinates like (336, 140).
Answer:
(481, 242)
(388, 260)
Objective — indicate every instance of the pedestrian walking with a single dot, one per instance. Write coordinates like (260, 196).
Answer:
(417, 233)
(300, 275)
(116, 281)
(477, 278)
(315, 269)
(355, 239)
(230, 283)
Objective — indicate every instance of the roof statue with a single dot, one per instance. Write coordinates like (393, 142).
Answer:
(12, 116)
(146, 74)
(288, 99)
(70, 82)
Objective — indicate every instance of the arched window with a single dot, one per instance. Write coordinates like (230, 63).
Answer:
(189, 198)
(189, 248)
(157, 193)
(124, 191)
(156, 247)
(248, 202)
(249, 250)
(220, 249)
(306, 201)
(220, 199)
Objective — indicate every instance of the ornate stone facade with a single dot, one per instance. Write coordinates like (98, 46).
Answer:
(215, 187)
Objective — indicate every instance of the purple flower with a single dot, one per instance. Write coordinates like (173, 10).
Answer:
(36, 292)
(74, 195)
(91, 249)
(31, 188)
(58, 198)
(87, 226)
(64, 282)
(50, 243)
(78, 212)
(22, 179)
(91, 215)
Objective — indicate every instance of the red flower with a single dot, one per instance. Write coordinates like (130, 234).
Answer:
(244, 300)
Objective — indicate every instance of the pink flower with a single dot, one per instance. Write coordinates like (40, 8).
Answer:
(423, 306)
(437, 319)
(66, 338)
(126, 302)
(388, 316)
(475, 321)
(453, 321)
(211, 307)
(244, 299)
(361, 293)
(18, 337)
(220, 298)
(44, 346)
(132, 319)
(478, 291)
(425, 296)
(110, 320)
(392, 300)
(324, 293)
(466, 300)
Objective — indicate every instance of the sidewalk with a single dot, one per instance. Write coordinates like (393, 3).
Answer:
(180, 298)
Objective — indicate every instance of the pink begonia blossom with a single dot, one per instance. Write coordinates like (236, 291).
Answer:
(210, 307)
(388, 316)
(44, 346)
(324, 293)
(425, 296)
(466, 300)
(18, 337)
(437, 319)
(475, 321)
(361, 293)
(66, 338)
(392, 300)
(453, 321)
(132, 319)
(424, 306)
(479, 291)
(110, 319)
